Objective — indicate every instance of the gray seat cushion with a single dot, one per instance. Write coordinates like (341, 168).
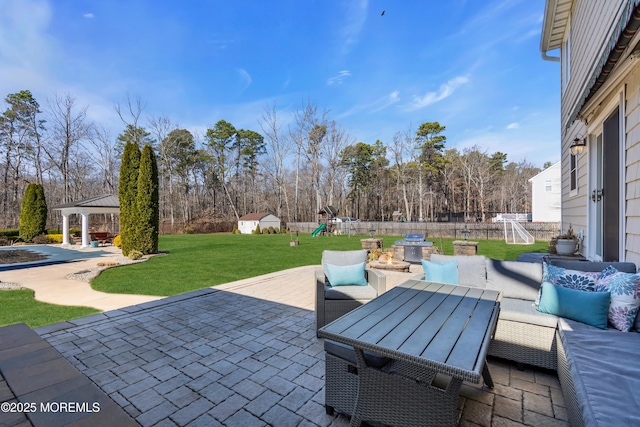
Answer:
(343, 258)
(361, 293)
(515, 279)
(471, 269)
(605, 372)
(523, 311)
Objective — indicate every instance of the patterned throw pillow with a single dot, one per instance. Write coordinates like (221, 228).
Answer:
(625, 296)
(572, 279)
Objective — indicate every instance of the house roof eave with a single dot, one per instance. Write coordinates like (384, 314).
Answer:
(554, 25)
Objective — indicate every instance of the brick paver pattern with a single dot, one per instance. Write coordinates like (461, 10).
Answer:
(222, 358)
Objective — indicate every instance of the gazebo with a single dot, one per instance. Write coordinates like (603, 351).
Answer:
(106, 203)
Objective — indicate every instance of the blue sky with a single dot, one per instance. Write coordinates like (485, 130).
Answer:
(473, 66)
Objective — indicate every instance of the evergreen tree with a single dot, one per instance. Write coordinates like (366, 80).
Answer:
(147, 203)
(127, 193)
(33, 215)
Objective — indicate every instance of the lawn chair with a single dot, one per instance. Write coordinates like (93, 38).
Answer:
(335, 301)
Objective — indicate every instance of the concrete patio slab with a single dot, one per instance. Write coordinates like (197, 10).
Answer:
(48, 278)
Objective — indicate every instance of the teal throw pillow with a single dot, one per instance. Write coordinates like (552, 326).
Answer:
(345, 275)
(441, 272)
(587, 307)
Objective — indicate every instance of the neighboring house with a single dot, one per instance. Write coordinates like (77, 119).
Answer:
(599, 45)
(249, 222)
(545, 195)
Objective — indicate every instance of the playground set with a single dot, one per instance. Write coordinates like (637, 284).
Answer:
(326, 219)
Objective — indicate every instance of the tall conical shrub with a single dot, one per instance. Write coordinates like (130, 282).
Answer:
(33, 215)
(148, 203)
(127, 193)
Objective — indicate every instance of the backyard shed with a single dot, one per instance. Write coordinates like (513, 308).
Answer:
(249, 222)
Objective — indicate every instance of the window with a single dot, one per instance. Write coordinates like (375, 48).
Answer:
(547, 185)
(574, 173)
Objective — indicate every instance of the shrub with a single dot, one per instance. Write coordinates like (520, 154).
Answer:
(272, 230)
(40, 239)
(257, 230)
(10, 232)
(127, 193)
(188, 230)
(134, 254)
(4, 241)
(55, 238)
(117, 241)
(33, 215)
(147, 203)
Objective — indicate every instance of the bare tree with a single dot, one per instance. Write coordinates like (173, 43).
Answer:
(68, 129)
(304, 119)
(279, 148)
(401, 151)
(104, 147)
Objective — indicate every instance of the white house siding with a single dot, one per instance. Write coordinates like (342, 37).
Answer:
(545, 205)
(270, 221)
(591, 24)
(247, 227)
(632, 168)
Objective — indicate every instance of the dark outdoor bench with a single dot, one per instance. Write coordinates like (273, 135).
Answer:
(35, 378)
(102, 237)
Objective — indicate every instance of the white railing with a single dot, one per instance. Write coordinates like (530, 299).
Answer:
(524, 217)
(515, 233)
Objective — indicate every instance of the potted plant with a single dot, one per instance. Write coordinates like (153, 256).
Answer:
(567, 243)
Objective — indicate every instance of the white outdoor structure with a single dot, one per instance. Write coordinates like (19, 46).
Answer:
(104, 204)
(249, 222)
(546, 195)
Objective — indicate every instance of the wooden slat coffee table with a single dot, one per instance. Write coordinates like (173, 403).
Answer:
(437, 336)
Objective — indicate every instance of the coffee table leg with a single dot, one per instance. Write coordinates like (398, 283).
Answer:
(486, 375)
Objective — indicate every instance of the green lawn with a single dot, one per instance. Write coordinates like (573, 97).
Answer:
(19, 306)
(198, 261)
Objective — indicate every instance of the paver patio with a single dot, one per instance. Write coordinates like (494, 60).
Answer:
(245, 354)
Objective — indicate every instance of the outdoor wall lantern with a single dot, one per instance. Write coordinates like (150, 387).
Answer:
(578, 146)
(466, 233)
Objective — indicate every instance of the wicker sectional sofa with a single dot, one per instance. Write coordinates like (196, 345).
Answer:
(597, 368)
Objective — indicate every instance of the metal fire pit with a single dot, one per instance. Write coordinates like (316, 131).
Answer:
(413, 244)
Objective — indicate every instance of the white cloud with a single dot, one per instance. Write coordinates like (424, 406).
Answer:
(356, 15)
(25, 45)
(342, 75)
(386, 101)
(372, 107)
(244, 77)
(88, 15)
(513, 126)
(443, 92)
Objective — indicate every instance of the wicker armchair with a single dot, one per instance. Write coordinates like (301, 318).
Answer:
(333, 302)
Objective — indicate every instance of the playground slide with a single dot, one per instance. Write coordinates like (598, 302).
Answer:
(318, 230)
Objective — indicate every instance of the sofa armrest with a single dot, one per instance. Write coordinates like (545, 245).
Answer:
(377, 280)
(320, 301)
